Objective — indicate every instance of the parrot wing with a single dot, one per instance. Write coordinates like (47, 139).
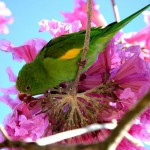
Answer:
(66, 46)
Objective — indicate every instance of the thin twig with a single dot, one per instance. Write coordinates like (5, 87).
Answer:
(85, 47)
(4, 133)
(76, 132)
(115, 10)
(133, 139)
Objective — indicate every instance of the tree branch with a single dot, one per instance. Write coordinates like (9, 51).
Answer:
(115, 10)
(85, 47)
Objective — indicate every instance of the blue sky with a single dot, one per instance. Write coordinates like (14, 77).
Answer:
(28, 13)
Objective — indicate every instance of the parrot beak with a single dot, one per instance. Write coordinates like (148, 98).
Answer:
(24, 97)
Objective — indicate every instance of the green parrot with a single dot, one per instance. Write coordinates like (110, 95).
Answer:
(58, 61)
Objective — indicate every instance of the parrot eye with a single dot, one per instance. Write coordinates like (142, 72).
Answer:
(28, 88)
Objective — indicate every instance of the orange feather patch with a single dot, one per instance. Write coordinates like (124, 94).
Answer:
(71, 54)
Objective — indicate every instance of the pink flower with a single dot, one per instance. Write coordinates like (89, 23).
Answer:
(126, 145)
(12, 76)
(9, 101)
(7, 92)
(22, 124)
(57, 28)
(143, 131)
(5, 18)
(145, 119)
(26, 52)
(133, 73)
(79, 13)
(142, 37)
(74, 21)
(123, 74)
(118, 66)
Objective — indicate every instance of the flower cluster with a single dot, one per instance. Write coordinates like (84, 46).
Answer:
(142, 37)
(5, 18)
(57, 28)
(121, 74)
(74, 21)
(79, 13)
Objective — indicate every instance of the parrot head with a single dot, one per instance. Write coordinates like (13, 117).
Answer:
(32, 79)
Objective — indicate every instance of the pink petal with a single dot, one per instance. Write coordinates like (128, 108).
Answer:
(127, 93)
(21, 132)
(4, 11)
(38, 43)
(147, 17)
(145, 119)
(12, 103)
(9, 90)
(12, 76)
(25, 110)
(3, 29)
(79, 13)
(1, 138)
(44, 26)
(5, 18)
(57, 28)
(142, 37)
(127, 145)
(142, 134)
(25, 52)
(19, 126)
(5, 45)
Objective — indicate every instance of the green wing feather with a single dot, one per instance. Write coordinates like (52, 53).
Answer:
(57, 47)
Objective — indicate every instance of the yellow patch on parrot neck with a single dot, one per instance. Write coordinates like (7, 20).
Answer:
(72, 53)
